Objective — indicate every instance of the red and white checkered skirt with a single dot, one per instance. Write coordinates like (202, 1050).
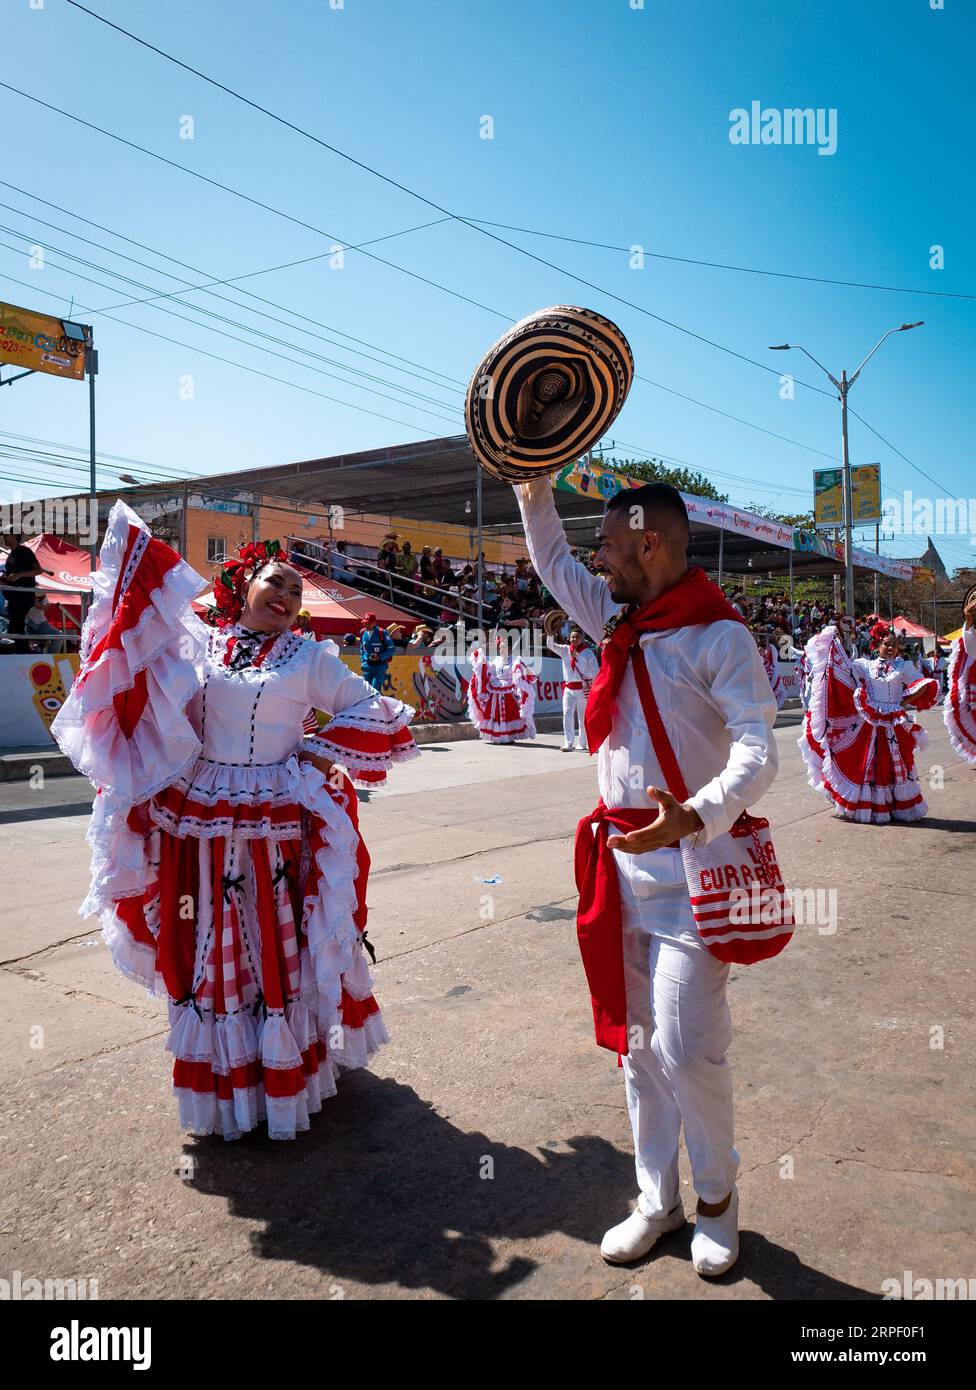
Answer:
(251, 925)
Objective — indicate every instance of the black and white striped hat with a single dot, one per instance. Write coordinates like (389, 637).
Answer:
(546, 392)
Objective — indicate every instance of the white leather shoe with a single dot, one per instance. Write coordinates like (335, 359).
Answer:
(715, 1244)
(566, 748)
(633, 1238)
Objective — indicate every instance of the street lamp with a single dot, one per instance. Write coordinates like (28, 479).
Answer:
(843, 386)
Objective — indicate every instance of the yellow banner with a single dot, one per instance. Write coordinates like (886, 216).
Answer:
(37, 342)
(828, 492)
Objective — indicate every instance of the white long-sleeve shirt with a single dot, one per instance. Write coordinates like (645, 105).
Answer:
(711, 688)
(587, 662)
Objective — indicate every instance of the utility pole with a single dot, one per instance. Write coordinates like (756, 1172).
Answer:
(877, 577)
(91, 367)
(843, 387)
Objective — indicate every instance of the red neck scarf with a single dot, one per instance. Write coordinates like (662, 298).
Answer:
(693, 600)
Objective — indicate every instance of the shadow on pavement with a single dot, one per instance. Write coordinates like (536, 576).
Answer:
(778, 1272)
(966, 827)
(384, 1190)
(72, 808)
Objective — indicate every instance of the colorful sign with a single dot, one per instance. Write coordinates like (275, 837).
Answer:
(590, 480)
(828, 495)
(38, 343)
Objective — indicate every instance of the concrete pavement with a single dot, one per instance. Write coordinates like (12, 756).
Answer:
(489, 1148)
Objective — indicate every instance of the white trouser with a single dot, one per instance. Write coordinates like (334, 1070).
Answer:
(574, 703)
(679, 1028)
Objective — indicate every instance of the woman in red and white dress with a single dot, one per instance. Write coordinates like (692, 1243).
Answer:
(227, 864)
(770, 659)
(960, 702)
(501, 698)
(861, 733)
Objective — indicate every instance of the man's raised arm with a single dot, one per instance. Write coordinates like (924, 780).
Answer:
(583, 595)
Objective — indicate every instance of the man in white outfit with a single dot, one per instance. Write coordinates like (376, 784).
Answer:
(717, 707)
(580, 667)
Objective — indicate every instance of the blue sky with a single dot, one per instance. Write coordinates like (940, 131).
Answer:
(611, 124)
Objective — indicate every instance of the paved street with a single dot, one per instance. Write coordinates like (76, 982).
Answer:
(489, 1148)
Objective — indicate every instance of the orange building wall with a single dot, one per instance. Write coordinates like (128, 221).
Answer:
(364, 529)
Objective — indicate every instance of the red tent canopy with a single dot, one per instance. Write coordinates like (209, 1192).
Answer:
(70, 568)
(336, 608)
(70, 574)
(903, 626)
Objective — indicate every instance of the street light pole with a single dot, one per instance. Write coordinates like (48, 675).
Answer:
(91, 366)
(848, 501)
(843, 387)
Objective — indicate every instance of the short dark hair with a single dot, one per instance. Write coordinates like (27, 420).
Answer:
(658, 501)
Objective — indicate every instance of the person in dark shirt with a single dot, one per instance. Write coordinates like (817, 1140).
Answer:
(19, 576)
(512, 613)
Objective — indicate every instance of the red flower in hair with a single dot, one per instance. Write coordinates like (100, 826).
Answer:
(229, 588)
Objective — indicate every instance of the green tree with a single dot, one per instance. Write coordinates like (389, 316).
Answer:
(803, 520)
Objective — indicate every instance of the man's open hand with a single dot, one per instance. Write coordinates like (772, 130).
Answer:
(673, 823)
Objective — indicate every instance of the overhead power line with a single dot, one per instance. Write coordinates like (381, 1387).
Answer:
(259, 299)
(246, 197)
(133, 465)
(550, 265)
(720, 265)
(889, 445)
(267, 352)
(254, 371)
(659, 385)
(413, 193)
(481, 229)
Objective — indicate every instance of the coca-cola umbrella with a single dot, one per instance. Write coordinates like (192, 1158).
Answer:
(70, 576)
(336, 608)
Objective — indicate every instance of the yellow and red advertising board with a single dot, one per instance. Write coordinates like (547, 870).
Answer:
(38, 343)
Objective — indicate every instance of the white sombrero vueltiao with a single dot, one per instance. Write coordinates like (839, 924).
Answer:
(546, 392)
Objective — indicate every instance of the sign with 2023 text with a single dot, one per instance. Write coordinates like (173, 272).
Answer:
(38, 343)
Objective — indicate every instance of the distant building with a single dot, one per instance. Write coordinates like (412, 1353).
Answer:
(930, 559)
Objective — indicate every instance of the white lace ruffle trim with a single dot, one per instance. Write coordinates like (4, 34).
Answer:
(163, 744)
(384, 715)
(961, 727)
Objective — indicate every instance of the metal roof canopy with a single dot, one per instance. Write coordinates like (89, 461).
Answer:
(432, 481)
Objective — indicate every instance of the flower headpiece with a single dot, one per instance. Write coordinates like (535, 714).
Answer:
(229, 587)
(880, 631)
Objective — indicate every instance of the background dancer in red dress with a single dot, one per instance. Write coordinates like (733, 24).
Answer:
(861, 733)
(960, 703)
(501, 697)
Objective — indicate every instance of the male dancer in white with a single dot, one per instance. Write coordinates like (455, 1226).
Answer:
(715, 701)
(580, 667)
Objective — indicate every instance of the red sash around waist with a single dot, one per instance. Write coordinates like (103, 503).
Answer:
(572, 685)
(599, 923)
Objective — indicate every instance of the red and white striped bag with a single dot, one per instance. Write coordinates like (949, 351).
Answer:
(741, 906)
